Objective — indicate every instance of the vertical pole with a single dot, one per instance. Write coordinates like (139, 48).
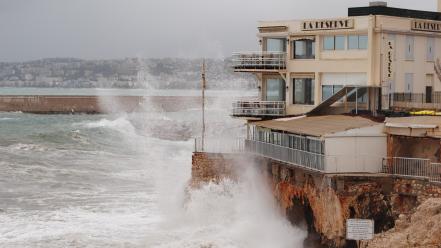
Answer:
(203, 104)
(356, 100)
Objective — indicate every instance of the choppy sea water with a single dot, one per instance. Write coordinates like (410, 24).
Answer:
(121, 181)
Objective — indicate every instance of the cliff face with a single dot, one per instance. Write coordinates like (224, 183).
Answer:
(323, 202)
(421, 229)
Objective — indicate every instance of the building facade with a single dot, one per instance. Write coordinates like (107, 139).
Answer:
(375, 58)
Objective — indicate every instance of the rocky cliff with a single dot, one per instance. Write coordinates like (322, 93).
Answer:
(323, 202)
(420, 229)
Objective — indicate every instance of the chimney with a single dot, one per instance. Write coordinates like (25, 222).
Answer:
(381, 3)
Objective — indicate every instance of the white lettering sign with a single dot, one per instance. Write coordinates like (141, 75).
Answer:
(358, 229)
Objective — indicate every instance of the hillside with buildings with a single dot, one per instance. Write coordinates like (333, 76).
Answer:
(168, 73)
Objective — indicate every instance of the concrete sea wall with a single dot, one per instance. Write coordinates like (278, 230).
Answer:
(95, 104)
(325, 201)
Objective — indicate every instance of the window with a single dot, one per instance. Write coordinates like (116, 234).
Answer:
(275, 89)
(330, 90)
(303, 91)
(360, 94)
(362, 42)
(328, 43)
(304, 49)
(430, 49)
(408, 78)
(340, 43)
(275, 45)
(357, 42)
(410, 43)
(334, 42)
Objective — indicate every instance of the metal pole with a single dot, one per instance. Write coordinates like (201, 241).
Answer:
(203, 104)
(356, 100)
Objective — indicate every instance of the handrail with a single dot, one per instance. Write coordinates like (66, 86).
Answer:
(219, 145)
(259, 108)
(412, 167)
(259, 60)
(309, 160)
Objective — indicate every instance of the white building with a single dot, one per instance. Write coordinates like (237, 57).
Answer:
(375, 58)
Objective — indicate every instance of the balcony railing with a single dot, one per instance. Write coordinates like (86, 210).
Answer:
(413, 100)
(412, 167)
(259, 61)
(259, 109)
(288, 155)
(219, 145)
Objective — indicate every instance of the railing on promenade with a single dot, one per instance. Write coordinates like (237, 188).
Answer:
(412, 167)
(259, 61)
(219, 145)
(259, 108)
(288, 155)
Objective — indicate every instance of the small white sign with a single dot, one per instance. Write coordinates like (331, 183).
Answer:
(358, 229)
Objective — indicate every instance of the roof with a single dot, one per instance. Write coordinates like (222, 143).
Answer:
(388, 11)
(416, 126)
(317, 125)
(414, 121)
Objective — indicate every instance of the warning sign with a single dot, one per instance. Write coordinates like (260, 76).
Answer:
(358, 229)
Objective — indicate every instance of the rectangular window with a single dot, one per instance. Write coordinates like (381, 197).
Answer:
(304, 91)
(360, 94)
(337, 42)
(430, 49)
(408, 78)
(328, 43)
(275, 45)
(357, 42)
(410, 46)
(275, 89)
(340, 42)
(330, 90)
(353, 42)
(363, 42)
(304, 49)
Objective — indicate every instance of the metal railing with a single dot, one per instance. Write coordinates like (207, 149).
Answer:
(219, 145)
(305, 159)
(412, 167)
(259, 61)
(259, 108)
(414, 100)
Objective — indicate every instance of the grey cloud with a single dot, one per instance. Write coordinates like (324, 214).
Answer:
(33, 29)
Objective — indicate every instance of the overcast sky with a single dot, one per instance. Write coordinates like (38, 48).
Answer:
(105, 29)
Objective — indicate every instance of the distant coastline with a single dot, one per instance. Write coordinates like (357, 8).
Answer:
(129, 73)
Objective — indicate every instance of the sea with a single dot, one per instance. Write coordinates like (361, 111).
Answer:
(122, 180)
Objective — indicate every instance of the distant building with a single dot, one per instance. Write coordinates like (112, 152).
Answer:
(376, 58)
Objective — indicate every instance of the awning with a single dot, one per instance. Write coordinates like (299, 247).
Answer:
(294, 38)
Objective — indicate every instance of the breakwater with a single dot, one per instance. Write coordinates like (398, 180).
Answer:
(47, 104)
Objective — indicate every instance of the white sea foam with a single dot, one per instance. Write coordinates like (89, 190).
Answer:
(7, 119)
(28, 147)
(229, 214)
(132, 196)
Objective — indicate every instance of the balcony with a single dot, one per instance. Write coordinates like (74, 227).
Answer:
(259, 109)
(259, 61)
(413, 101)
